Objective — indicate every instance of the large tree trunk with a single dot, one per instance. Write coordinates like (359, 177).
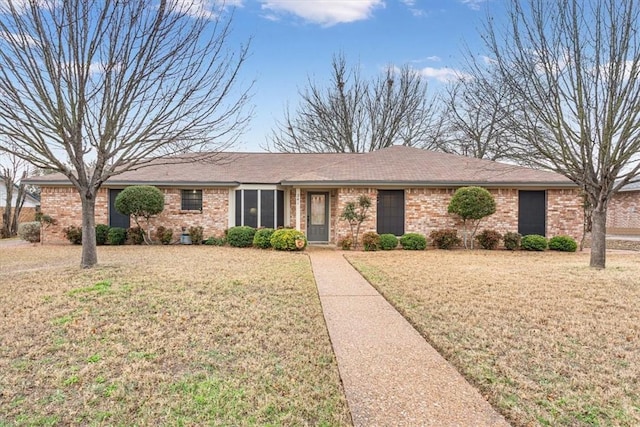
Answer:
(17, 209)
(598, 237)
(89, 247)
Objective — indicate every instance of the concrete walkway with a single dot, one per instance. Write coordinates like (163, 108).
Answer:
(391, 376)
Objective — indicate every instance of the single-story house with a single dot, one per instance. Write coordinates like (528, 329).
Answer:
(29, 208)
(410, 190)
(623, 212)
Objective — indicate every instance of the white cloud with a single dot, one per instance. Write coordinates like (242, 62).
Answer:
(473, 4)
(325, 12)
(434, 58)
(444, 75)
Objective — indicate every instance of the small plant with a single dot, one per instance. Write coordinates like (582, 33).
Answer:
(164, 235)
(563, 243)
(197, 234)
(388, 242)
(29, 231)
(489, 239)
(73, 234)
(135, 236)
(355, 214)
(117, 236)
(262, 238)
(446, 238)
(241, 236)
(471, 204)
(346, 243)
(512, 240)
(215, 241)
(534, 242)
(371, 241)
(288, 239)
(101, 234)
(413, 242)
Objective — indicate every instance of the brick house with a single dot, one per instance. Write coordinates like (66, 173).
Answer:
(410, 190)
(623, 212)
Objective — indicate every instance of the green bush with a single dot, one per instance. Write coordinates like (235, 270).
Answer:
(164, 235)
(563, 243)
(116, 236)
(135, 236)
(215, 241)
(29, 231)
(445, 238)
(284, 239)
(489, 239)
(413, 242)
(388, 242)
(197, 234)
(241, 236)
(512, 240)
(346, 243)
(262, 238)
(534, 242)
(102, 230)
(371, 241)
(73, 234)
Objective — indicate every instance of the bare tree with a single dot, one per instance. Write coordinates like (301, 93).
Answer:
(357, 115)
(115, 85)
(12, 171)
(573, 69)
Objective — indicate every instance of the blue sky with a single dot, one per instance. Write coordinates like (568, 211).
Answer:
(293, 40)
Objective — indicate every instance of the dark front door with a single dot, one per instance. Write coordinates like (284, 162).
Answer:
(318, 217)
(532, 212)
(116, 219)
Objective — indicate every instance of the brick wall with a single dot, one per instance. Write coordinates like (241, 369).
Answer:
(344, 196)
(565, 213)
(27, 214)
(623, 213)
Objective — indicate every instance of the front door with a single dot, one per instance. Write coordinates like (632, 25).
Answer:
(318, 217)
(116, 219)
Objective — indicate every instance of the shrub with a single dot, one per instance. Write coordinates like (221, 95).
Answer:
(262, 238)
(116, 236)
(563, 243)
(413, 242)
(215, 241)
(355, 214)
(489, 239)
(135, 236)
(241, 236)
(197, 234)
(345, 243)
(29, 231)
(371, 241)
(446, 238)
(388, 242)
(534, 242)
(512, 240)
(471, 204)
(102, 230)
(285, 239)
(164, 235)
(140, 202)
(73, 234)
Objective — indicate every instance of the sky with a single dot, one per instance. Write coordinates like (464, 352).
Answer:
(293, 41)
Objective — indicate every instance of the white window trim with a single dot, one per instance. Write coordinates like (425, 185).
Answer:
(232, 203)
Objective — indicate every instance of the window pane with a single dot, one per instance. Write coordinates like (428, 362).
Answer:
(280, 208)
(266, 208)
(317, 209)
(390, 212)
(191, 200)
(251, 208)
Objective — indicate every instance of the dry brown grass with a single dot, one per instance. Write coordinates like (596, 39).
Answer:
(166, 336)
(548, 340)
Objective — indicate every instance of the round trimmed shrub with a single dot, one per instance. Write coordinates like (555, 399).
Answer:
(73, 234)
(215, 241)
(413, 242)
(117, 236)
(563, 243)
(512, 240)
(164, 235)
(29, 231)
(371, 241)
(262, 238)
(446, 238)
(489, 239)
(135, 236)
(285, 239)
(241, 236)
(388, 242)
(534, 242)
(101, 234)
(346, 243)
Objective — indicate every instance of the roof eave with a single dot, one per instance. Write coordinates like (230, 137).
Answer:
(432, 184)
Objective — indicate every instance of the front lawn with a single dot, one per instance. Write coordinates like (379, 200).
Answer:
(546, 339)
(164, 336)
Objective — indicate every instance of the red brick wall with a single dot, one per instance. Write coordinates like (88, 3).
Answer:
(623, 213)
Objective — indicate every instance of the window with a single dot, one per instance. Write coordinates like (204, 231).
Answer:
(390, 212)
(191, 200)
(260, 208)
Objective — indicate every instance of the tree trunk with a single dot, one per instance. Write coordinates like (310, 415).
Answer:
(89, 247)
(598, 238)
(6, 215)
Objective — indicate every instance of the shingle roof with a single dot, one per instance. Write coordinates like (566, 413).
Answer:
(393, 165)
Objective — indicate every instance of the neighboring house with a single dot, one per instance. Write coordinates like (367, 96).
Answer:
(410, 190)
(29, 207)
(623, 212)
